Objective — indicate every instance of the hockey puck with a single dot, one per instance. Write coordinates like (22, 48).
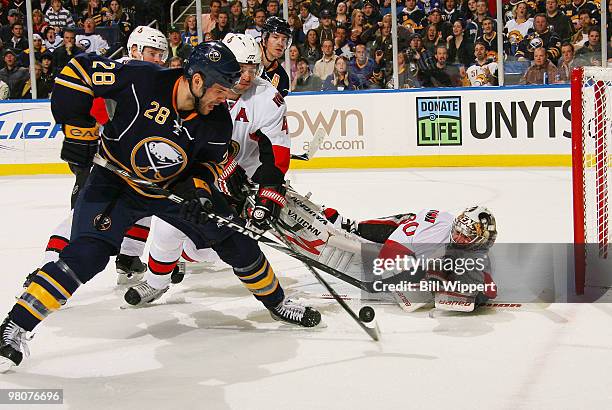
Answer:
(366, 314)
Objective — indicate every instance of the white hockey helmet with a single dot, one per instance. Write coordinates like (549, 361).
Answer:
(145, 36)
(474, 228)
(245, 48)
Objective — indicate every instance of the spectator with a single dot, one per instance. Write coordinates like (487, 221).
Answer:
(175, 62)
(311, 49)
(58, 17)
(43, 89)
(308, 20)
(582, 35)
(432, 37)
(441, 74)
(51, 40)
(255, 30)
(484, 70)
(89, 40)
(459, 48)
(357, 19)
(575, 7)
(341, 14)
(385, 7)
(326, 27)
(237, 20)
(540, 37)
(5, 92)
(517, 28)
(117, 17)
(48, 71)
(13, 75)
(406, 73)
(67, 51)
(450, 12)
(75, 7)
(383, 42)
(411, 16)
(38, 21)
(304, 80)
(17, 42)
(6, 32)
(470, 10)
(341, 46)
(560, 23)
(355, 37)
(297, 32)
(489, 37)
(272, 8)
(222, 26)
(325, 66)
(42, 5)
(435, 18)
(176, 46)
(590, 52)
(542, 71)
(210, 19)
(190, 32)
(364, 70)
(339, 79)
(567, 62)
(94, 11)
(371, 17)
(18, 5)
(294, 56)
(249, 10)
(317, 6)
(482, 12)
(39, 49)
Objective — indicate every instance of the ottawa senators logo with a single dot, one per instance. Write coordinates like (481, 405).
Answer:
(158, 159)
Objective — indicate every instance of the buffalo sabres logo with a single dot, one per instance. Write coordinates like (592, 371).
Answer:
(102, 222)
(158, 159)
(214, 56)
(85, 43)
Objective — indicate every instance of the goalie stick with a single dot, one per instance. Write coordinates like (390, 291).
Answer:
(244, 230)
(313, 146)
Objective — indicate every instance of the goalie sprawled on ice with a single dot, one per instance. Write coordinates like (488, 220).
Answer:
(413, 258)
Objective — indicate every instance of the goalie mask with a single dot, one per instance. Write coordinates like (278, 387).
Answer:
(474, 228)
(144, 36)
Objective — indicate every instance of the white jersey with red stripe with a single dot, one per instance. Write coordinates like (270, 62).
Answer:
(260, 127)
(419, 234)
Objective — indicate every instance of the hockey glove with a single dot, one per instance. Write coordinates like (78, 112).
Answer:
(197, 199)
(232, 180)
(268, 203)
(80, 144)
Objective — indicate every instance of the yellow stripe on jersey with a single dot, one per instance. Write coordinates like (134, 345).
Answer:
(266, 281)
(81, 71)
(270, 291)
(69, 72)
(43, 296)
(52, 281)
(74, 86)
(29, 309)
(200, 184)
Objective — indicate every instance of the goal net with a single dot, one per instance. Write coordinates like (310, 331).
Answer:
(591, 89)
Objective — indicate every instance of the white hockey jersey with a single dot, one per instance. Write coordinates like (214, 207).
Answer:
(92, 43)
(260, 127)
(516, 32)
(422, 234)
(477, 76)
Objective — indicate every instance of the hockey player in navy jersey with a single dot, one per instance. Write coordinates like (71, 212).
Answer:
(171, 128)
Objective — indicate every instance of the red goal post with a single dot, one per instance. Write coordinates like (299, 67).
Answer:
(591, 94)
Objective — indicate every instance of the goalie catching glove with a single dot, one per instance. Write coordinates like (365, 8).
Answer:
(80, 144)
(268, 203)
(197, 199)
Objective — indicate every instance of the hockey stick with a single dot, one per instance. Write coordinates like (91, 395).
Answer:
(374, 332)
(155, 189)
(313, 146)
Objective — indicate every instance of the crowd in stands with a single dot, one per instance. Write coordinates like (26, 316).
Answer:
(341, 45)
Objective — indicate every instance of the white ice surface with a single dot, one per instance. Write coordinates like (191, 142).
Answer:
(210, 345)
